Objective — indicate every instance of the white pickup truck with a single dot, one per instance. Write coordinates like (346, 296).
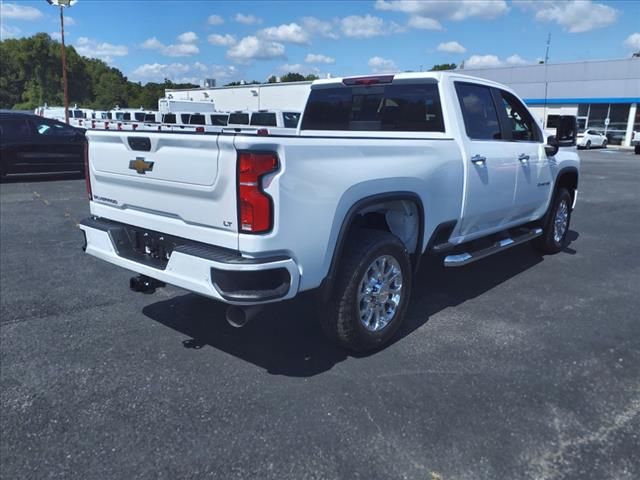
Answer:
(382, 170)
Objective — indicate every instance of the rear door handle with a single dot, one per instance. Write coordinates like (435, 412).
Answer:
(523, 157)
(478, 159)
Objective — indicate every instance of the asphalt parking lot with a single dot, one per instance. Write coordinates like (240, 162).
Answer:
(516, 367)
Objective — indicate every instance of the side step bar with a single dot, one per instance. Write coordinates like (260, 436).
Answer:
(461, 259)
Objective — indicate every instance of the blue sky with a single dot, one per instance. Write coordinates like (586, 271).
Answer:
(190, 40)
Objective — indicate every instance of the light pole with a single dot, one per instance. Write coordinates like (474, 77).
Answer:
(63, 4)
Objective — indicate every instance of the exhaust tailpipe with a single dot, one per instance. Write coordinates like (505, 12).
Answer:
(144, 284)
(238, 317)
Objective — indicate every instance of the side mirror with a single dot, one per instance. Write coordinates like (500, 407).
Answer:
(551, 148)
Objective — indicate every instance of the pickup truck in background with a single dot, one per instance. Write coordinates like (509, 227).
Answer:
(383, 170)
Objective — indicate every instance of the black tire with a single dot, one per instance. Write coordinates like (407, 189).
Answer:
(548, 242)
(636, 149)
(604, 144)
(342, 322)
(588, 145)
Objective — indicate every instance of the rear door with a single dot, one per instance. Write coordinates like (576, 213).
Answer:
(56, 147)
(523, 142)
(491, 170)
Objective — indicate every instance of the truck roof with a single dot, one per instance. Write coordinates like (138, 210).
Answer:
(438, 75)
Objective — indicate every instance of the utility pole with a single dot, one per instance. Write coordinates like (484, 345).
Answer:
(62, 4)
(546, 81)
(65, 87)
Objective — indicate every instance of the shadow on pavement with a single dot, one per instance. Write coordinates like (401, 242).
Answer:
(286, 339)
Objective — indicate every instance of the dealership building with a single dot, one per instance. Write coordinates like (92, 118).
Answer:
(603, 94)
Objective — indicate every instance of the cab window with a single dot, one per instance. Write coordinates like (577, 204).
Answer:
(478, 111)
(520, 124)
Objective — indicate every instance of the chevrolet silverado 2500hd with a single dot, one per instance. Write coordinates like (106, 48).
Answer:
(382, 170)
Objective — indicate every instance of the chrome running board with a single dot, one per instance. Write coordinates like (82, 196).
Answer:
(461, 259)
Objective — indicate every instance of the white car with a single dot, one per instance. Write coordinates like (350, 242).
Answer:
(591, 138)
(381, 171)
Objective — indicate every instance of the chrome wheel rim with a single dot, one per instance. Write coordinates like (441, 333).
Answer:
(380, 293)
(560, 222)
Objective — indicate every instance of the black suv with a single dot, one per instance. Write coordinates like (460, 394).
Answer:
(30, 144)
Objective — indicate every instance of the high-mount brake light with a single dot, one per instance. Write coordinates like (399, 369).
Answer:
(87, 177)
(255, 207)
(369, 80)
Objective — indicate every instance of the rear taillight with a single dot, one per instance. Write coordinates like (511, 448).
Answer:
(159, 127)
(80, 122)
(255, 207)
(87, 178)
(199, 129)
(106, 125)
(119, 126)
(134, 126)
(93, 124)
(262, 131)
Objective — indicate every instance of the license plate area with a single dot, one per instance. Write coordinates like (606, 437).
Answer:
(144, 246)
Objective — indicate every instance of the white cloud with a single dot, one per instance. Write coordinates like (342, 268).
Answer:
(482, 61)
(291, 33)
(298, 68)
(516, 60)
(102, 50)
(424, 23)
(247, 19)
(69, 21)
(446, 9)
(382, 65)
(222, 40)
(451, 47)
(488, 61)
(319, 27)
(19, 12)
(215, 20)
(318, 58)
(253, 48)
(183, 72)
(633, 41)
(7, 31)
(184, 48)
(56, 36)
(188, 37)
(367, 26)
(576, 16)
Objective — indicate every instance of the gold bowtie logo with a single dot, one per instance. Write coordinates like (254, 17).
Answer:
(140, 165)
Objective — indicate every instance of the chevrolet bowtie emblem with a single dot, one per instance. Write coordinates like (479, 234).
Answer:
(140, 165)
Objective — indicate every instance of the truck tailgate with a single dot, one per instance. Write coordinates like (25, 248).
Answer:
(169, 182)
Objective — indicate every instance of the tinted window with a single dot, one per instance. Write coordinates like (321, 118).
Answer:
(150, 117)
(519, 121)
(220, 120)
(263, 119)
(239, 118)
(14, 128)
(78, 114)
(139, 116)
(478, 111)
(409, 108)
(169, 118)
(553, 121)
(197, 119)
(52, 128)
(126, 116)
(184, 118)
(290, 119)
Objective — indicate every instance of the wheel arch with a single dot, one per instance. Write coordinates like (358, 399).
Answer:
(374, 204)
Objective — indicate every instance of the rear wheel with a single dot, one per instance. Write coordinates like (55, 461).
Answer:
(555, 224)
(588, 145)
(604, 143)
(372, 292)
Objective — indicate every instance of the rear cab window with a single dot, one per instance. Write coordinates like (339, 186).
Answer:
(401, 107)
(264, 119)
(290, 119)
(239, 118)
(197, 119)
(12, 128)
(219, 120)
(169, 118)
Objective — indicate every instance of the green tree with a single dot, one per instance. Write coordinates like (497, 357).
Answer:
(292, 77)
(443, 66)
